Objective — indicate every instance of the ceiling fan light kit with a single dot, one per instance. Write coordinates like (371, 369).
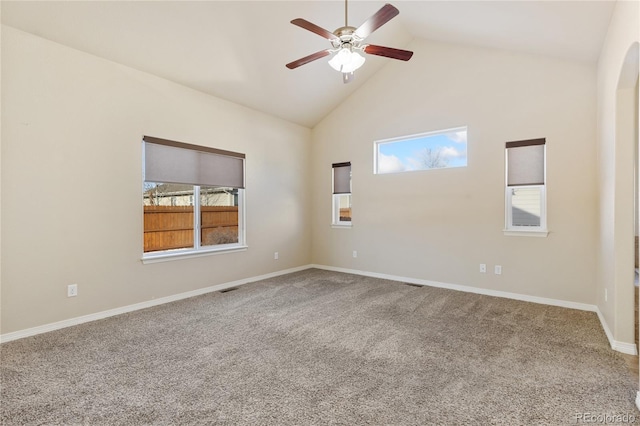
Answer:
(347, 42)
(346, 60)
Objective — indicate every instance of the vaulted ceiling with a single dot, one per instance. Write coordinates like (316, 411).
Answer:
(237, 50)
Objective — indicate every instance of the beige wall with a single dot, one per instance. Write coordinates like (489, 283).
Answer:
(615, 172)
(441, 224)
(75, 122)
(72, 124)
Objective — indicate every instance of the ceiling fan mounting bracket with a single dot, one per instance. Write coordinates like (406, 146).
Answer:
(345, 31)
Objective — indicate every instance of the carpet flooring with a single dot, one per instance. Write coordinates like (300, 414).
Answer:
(320, 347)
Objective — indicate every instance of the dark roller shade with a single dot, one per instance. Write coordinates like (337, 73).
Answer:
(342, 178)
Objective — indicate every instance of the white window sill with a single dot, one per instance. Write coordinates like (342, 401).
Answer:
(340, 226)
(188, 254)
(525, 233)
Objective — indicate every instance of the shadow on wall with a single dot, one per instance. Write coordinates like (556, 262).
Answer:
(524, 218)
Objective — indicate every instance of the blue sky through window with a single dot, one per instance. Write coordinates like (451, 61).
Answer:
(422, 152)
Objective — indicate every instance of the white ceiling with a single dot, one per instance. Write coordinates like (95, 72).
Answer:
(237, 50)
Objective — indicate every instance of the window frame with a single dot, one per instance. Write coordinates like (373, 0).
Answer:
(198, 249)
(526, 231)
(336, 197)
(336, 222)
(407, 138)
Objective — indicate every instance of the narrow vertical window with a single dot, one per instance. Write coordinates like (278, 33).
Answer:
(193, 198)
(526, 187)
(342, 194)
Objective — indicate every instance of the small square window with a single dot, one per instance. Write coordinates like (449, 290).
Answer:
(342, 209)
(526, 206)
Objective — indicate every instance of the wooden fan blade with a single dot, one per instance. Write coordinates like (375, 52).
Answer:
(307, 59)
(303, 23)
(379, 18)
(388, 52)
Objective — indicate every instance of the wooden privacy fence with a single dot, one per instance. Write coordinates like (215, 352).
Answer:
(171, 227)
(345, 214)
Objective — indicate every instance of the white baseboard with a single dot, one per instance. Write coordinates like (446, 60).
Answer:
(7, 337)
(627, 348)
(638, 400)
(466, 289)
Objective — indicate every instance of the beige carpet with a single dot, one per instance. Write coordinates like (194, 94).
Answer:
(319, 347)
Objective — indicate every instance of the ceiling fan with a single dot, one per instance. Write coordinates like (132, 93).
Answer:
(347, 41)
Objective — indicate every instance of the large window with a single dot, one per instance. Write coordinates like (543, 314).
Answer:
(525, 187)
(433, 150)
(193, 199)
(342, 194)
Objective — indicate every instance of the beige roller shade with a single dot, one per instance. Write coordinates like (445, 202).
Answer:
(342, 178)
(176, 162)
(525, 162)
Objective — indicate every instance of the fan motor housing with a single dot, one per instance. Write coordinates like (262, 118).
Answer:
(347, 36)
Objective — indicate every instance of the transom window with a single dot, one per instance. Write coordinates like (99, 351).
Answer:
(432, 150)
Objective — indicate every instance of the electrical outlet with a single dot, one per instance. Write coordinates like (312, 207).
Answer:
(72, 290)
(483, 268)
(497, 270)
(355, 253)
(275, 255)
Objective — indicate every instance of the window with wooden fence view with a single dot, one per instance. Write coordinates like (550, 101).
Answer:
(341, 194)
(169, 221)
